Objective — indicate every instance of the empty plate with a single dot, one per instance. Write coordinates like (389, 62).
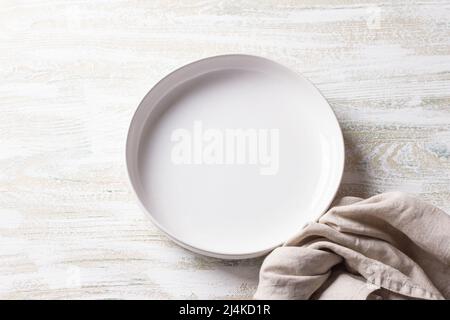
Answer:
(232, 155)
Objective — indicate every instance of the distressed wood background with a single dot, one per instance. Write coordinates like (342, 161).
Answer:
(73, 72)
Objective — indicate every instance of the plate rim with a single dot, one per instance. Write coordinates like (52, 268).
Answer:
(213, 254)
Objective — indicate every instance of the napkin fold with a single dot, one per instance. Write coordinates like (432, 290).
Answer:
(390, 246)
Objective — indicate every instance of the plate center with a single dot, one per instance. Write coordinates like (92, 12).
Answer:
(234, 161)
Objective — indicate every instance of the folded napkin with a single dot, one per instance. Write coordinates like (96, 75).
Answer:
(390, 246)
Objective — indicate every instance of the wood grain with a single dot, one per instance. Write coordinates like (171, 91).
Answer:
(72, 74)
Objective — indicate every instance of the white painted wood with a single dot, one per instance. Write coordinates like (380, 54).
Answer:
(73, 72)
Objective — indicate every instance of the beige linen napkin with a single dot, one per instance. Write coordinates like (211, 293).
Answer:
(390, 246)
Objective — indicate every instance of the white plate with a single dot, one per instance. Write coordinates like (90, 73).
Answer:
(232, 155)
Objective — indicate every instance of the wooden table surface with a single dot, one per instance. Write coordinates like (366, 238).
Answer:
(73, 72)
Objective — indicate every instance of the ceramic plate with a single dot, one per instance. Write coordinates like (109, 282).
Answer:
(232, 155)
